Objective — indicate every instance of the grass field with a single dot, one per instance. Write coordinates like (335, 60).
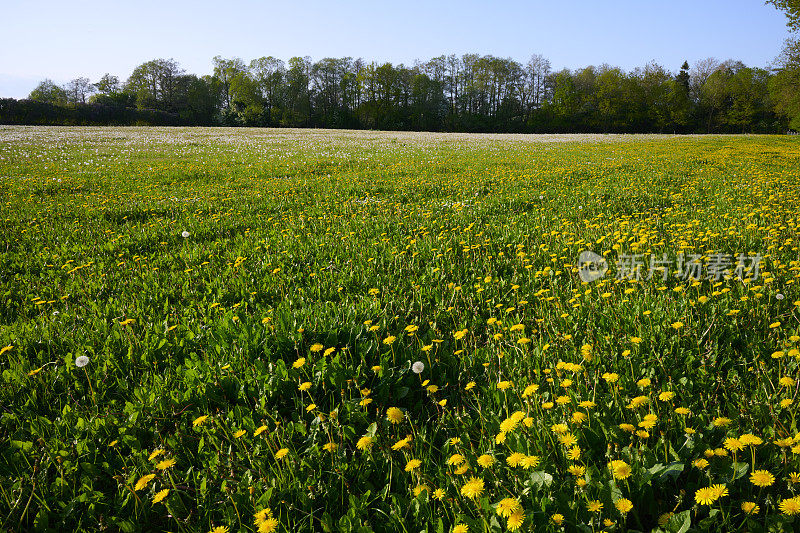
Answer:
(289, 330)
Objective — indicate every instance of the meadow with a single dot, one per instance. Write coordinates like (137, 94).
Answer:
(304, 330)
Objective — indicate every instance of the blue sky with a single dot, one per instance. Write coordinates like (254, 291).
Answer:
(63, 40)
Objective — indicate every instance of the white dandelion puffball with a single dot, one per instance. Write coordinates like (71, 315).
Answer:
(418, 367)
(81, 361)
(779, 296)
(185, 234)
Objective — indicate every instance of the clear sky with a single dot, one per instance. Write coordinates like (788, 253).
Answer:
(64, 40)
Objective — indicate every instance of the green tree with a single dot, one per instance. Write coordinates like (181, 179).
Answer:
(225, 70)
(792, 10)
(565, 102)
(749, 98)
(680, 104)
(78, 90)
(202, 97)
(155, 84)
(269, 74)
(612, 101)
(297, 111)
(49, 93)
(108, 85)
(784, 86)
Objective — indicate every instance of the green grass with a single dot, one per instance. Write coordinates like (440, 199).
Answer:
(308, 251)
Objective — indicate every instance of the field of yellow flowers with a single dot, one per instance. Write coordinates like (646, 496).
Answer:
(301, 330)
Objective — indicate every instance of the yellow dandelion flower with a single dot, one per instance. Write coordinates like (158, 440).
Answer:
(515, 521)
(155, 454)
(705, 496)
(577, 470)
(638, 402)
(750, 507)
(719, 490)
(733, 444)
(568, 440)
(574, 453)
(166, 463)
(529, 390)
(456, 459)
(473, 488)
(748, 439)
(485, 460)
(514, 459)
(620, 469)
(611, 377)
(790, 506)
(394, 415)
(402, 443)
(413, 464)
(160, 495)
(507, 506)
(762, 478)
(143, 481)
(530, 461)
(623, 505)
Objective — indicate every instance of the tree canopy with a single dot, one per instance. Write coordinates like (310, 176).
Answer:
(471, 92)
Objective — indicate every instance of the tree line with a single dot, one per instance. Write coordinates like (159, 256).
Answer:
(471, 93)
(447, 93)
